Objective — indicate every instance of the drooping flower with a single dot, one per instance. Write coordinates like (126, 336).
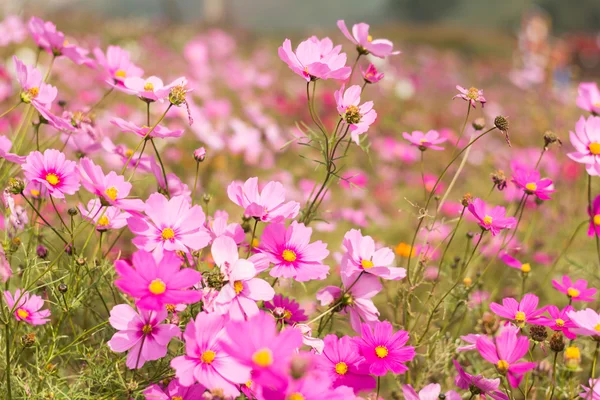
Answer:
(587, 322)
(531, 182)
(268, 205)
(343, 365)
(27, 307)
(588, 97)
(505, 352)
(206, 361)
(357, 117)
(471, 95)
(594, 214)
(171, 225)
(575, 291)
(558, 321)
(361, 256)
(586, 141)
(424, 141)
(292, 254)
(53, 171)
(104, 219)
(364, 42)
(174, 390)
(159, 131)
(116, 65)
(429, 392)
(142, 334)
(34, 90)
(494, 219)
(286, 310)
(48, 38)
(477, 384)
(150, 89)
(514, 263)
(519, 312)
(371, 74)
(5, 146)
(315, 59)
(383, 349)
(155, 284)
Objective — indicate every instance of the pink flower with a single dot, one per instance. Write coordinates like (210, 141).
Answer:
(286, 310)
(5, 146)
(586, 141)
(371, 74)
(103, 219)
(159, 131)
(170, 224)
(308, 387)
(5, 269)
(206, 360)
(150, 89)
(594, 214)
(493, 220)
(508, 349)
(142, 334)
(156, 284)
(111, 189)
(576, 291)
(361, 256)
(587, 322)
(424, 141)
(364, 42)
(588, 97)
(343, 365)
(429, 392)
(176, 187)
(239, 295)
(531, 183)
(514, 263)
(52, 41)
(559, 320)
(175, 390)
(477, 384)
(472, 95)
(471, 339)
(53, 171)
(218, 226)
(258, 344)
(116, 65)
(383, 349)
(315, 59)
(268, 205)
(593, 391)
(26, 307)
(358, 118)
(34, 90)
(520, 313)
(292, 254)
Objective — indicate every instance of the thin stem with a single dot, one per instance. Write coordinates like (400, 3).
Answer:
(251, 244)
(462, 131)
(162, 166)
(378, 387)
(7, 341)
(423, 175)
(354, 67)
(553, 375)
(196, 178)
(109, 91)
(593, 371)
(44, 219)
(10, 109)
(59, 216)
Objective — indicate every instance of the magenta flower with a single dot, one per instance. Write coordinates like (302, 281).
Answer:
(472, 95)
(53, 41)
(514, 263)
(477, 384)
(258, 344)
(111, 189)
(103, 219)
(116, 65)
(308, 387)
(587, 322)
(430, 392)
(239, 295)
(532, 184)
(286, 310)
(156, 284)
(53, 171)
(268, 205)
(205, 360)
(34, 90)
(520, 313)
(142, 334)
(343, 365)
(159, 131)
(493, 220)
(576, 291)
(424, 141)
(292, 254)
(594, 214)
(171, 225)
(364, 42)
(588, 97)
(315, 59)
(174, 390)
(361, 256)
(383, 349)
(586, 141)
(358, 118)
(5, 146)
(27, 307)
(508, 349)
(558, 321)
(371, 74)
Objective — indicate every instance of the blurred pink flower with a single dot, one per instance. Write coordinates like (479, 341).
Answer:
(315, 59)
(472, 95)
(429, 392)
(576, 291)
(358, 118)
(588, 97)
(365, 44)
(587, 322)
(116, 65)
(371, 74)
(494, 219)
(158, 132)
(519, 313)
(532, 184)
(174, 390)
(34, 90)
(268, 205)
(424, 141)
(586, 141)
(54, 42)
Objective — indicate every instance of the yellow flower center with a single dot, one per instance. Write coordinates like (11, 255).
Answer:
(148, 87)
(467, 281)
(559, 322)
(208, 356)
(597, 105)
(289, 255)
(488, 220)
(112, 193)
(572, 292)
(369, 38)
(255, 243)
(249, 384)
(295, 396)
(287, 314)
(341, 368)
(572, 352)
(167, 234)
(170, 308)
(263, 357)
(473, 93)
(381, 351)
(594, 148)
(34, 192)
(526, 267)
(502, 366)
(120, 73)
(597, 328)
(352, 115)
(23, 314)
(52, 179)
(176, 398)
(157, 286)
(520, 316)
(366, 264)
(33, 92)
(103, 221)
(404, 250)
(147, 329)
(238, 286)
(128, 153)
(531, 186)
(597, 219)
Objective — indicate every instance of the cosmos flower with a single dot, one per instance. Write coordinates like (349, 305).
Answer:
(520, 313)
(594, 213)
(49, 39)
(429, 392)
(472, 95)
(34, 90)
(532, 184)
(27, 307)
(174, 390)
(424, 141)
(357, 117)
(315, 59)
(586, 141)
(143, 334)
(218, 226)
(558, 321)
(286, 310)
(587, 322)
(116, 65)
(53, 171)
(575, 291)
(514, 263)
(477, 384)
(592, 392)
(371, 74)
(588, 97)
(493, 220)
(103, 218)
(364, 42)
(5, 146)
(159, 131)
(150, 89)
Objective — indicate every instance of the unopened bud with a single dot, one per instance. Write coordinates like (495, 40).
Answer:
(502, 124)
(466, 200)
(28, 340)
(479, 124)
(62, 288)
(550, 137)
(15, 186)
(42, 252)
(200, 154)
(72, 211)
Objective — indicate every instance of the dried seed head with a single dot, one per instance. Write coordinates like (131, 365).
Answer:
(15, 186)
(538, 333)
(502, 124)
(557, 342)
(466, 200)
(550, 137)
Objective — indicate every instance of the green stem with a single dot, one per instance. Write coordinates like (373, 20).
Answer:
(251, 244)
(8, 383)
(162, 166)
(44, 219)
(378, 387)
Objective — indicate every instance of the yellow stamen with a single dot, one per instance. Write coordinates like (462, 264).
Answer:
(572, 292)
(289, 255)
(597, 219)
(238, 286)
(531, 186)
(381, 351)
(208, 356)
(148, 87)
(404, 250)
(287, 314)
(255, 243)
(103, 221)
(594, 148)
(295, 396)
(157, 286)
(34, 192)
(341, 368)
(473, 93)
(526, 267)
(597, 328)
(147, 329)
(467, 281)
(263, 357)
(112, 193)
(52, 179)
(559, 322)
(176, 398)
(369, 38)
(248, 384)
(33, 92)
(23, 314)
(488, 220)
(167, 234)
(128, 153)
(520, 317)
(120, 73)
(502, 366)
(366, 264)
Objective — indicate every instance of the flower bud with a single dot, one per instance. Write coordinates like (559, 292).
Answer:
(206, 198)
(466, 200)
(62, 288)
(200, 154)
(15, 186)
(550, 137)
(538, 333)
(479, 124)
(28, 340)
(42, 252)
(72, 211)
(557, 342)
(467, 281)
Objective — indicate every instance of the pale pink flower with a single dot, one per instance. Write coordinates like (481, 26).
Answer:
(357, 117)
(315, 59)
(365, 43)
